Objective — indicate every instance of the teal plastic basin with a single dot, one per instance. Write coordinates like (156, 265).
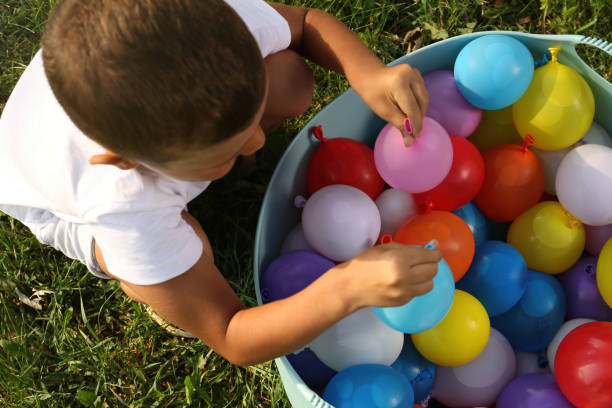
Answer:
(348, 116)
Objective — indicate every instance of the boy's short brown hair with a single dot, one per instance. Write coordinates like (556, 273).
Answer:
(149, 79)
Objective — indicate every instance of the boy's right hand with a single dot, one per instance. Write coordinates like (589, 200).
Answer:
(389, 275)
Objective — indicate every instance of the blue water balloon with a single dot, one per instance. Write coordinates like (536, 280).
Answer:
(497, 277)
(422, 312)
(475, 220)
(419, 371)
(493, 71)
(369, 385)
(532, 323)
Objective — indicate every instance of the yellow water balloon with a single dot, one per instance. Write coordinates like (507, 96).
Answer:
(558, 107)
(496, 128)
(460, 337)
(550, 239)
(604, 272)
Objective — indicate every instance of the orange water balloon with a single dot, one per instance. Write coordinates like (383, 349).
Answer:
(454, 238)
(514, 182)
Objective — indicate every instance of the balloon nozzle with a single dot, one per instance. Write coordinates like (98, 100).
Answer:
(553, 52)
(385, 239)
(299, 201)
(426, 206)
(572, 221)
(408, 126)
(317, 131)
(529, 140)
(433, 244)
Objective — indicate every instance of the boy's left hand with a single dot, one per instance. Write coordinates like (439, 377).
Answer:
(396, 93)
(393, 93)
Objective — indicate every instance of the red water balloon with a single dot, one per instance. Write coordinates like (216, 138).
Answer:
(344, 161)
(463, 181)
(513, 182)
(454, 237)
(582, 365)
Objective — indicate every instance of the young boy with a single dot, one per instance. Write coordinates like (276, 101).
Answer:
(131, 109)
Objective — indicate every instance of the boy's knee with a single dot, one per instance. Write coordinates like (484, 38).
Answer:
(291, 83)
(130, 293)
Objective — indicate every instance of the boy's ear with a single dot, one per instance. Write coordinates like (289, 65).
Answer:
(113, 159)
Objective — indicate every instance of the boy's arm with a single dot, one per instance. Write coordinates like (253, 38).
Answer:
(393, 93)
(203, 303)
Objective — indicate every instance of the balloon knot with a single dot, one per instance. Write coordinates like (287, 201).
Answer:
(572, 221)
(544, 60)
(425, 207)
(433, 244)
(529, 140)
(385, 239)
(408, 126)
(299, 201)
(542, 361)
(317, 131)
(553, 52)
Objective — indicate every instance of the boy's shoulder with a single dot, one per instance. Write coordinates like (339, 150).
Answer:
(270, 29)
(44, 158)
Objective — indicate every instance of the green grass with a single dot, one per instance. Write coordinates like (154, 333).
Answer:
(89, 345)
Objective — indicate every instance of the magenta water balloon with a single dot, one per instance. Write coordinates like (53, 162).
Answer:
(417, 168)
(448, 106)
(581, 291)
(596, 238)
(292, 272)
(340, 221)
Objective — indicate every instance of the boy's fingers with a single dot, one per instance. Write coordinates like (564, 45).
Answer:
(424, 272)
(422, 288)
(426, 256)
(420, 92)
(408, 104)
(397, 119)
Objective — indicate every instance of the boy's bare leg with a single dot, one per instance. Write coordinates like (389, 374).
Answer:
(291, 86)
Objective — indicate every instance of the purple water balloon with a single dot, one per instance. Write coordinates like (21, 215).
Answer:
(292, 272)
(448, 106)
(313, 372)
(535, 390)
(340, 221)
(596, 238)
(583, 297)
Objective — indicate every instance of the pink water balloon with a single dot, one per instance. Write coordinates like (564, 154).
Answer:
(417, 168)
(448, 106)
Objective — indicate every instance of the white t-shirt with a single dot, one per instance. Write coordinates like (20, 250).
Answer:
(134, 215)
